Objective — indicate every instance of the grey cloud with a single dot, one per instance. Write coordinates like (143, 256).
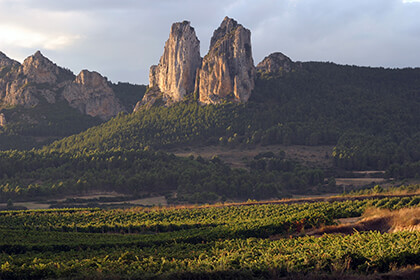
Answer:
(121, 39)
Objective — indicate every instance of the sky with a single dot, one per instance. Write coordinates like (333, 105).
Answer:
(121, 39)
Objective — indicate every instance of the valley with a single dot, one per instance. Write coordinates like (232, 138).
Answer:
(217, 169)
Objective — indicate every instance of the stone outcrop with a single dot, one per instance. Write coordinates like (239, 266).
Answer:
(6, 62)
(227, 71)
(40, 70)
(40, 80)
(91, 95)
(3, 121)
(277, 63)
(174, 76)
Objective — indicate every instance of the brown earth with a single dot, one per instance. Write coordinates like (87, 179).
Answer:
(382, 220)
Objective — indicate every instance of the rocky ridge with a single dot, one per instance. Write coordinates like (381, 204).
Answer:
(227, 72)
(277, 63)
(38, 80)
(91, 95)
(174, 76)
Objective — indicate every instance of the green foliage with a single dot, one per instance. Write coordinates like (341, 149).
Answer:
(197, 243)
(128, 94)
(33, 127)
(30, 174)
(371, 114)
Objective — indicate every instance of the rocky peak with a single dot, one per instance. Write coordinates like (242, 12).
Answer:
(6, 61)
(91, 79)
(227, 71)
(40, 70)
(227, 26)
(91, 95)
(275, 63)
(38, 79)
(174, 76)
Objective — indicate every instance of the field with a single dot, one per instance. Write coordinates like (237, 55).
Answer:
(313, 156)
(237, 241)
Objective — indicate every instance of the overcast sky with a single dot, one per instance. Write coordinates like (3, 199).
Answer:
(122, 38)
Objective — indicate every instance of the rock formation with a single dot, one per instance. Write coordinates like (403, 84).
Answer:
(40, 80)
(40, 70)
(227, 71)
(91, 95)
(174, 76)
(2, 120)
(6, 62)
(276, 63)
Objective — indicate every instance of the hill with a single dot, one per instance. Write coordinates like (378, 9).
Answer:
(41, 101)
(369, 114)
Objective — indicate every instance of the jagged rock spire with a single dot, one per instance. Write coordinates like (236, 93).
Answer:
(176, 71)
(227, 71)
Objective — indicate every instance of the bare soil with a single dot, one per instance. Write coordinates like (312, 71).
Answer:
(382, 220)
(358, 182)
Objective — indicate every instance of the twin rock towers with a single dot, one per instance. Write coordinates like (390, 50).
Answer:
(227, 72)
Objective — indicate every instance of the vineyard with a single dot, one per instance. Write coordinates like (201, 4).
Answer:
(221, 242)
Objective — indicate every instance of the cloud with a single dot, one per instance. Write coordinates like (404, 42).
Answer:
(121, 39)
(24, 38)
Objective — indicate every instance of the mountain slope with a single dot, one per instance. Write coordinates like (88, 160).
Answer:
(314, 104)
(41, 102)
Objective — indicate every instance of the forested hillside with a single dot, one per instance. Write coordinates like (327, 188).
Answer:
(31, 175)
(370, 114)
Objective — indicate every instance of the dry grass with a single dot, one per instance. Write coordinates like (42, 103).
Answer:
(382, 220)
(313, 156)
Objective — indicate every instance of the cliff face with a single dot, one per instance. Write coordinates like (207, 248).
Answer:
(40, 80)
(91, 95)
(174, 76)
(227, 71)
(276, 63)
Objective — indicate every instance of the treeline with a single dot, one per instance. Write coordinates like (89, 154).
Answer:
(34, 174)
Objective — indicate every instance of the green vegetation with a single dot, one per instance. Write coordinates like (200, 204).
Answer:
(199, 243)
(34, 127)
(370, 114)
(128, 94)
(35, 174)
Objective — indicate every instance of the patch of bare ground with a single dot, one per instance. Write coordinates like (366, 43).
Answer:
(358, 181)
(382, 220)
(312, 156)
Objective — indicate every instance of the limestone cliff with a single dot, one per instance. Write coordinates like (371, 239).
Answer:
(174, 76)
(227, 71)
(2, 120)
(276, 63)
(91, 95)
(40, 80)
